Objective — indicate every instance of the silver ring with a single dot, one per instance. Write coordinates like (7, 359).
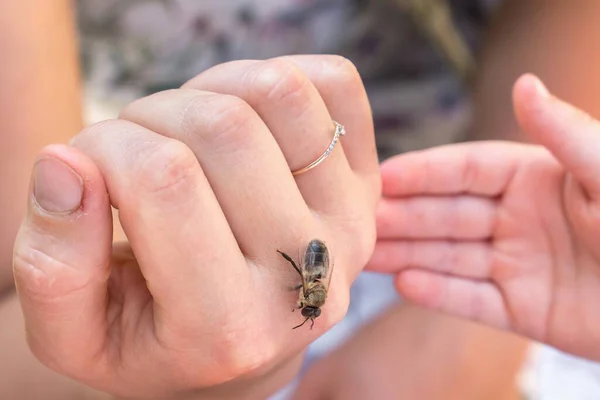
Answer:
(339, 131)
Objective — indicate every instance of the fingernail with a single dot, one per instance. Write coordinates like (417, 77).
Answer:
(56, 187)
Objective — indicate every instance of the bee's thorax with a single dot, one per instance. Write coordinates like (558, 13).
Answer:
(315, 294)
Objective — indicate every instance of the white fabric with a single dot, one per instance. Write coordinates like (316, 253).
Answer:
(553, 375)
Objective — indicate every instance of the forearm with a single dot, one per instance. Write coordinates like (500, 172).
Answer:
(557, 40)
(432, 356)
(39, 101)
(470, 361)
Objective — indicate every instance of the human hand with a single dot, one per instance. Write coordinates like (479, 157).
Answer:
(502, 233)
(197, 303)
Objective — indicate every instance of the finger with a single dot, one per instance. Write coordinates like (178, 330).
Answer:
(480, 168)
(295, 113)
(570, 134)
(62, 259)
(465, 259)
(241, 160)
(461, 217)
(172, 219)
(341, 88)
(479, 301)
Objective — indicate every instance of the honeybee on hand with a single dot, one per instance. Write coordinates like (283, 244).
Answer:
(314, 272)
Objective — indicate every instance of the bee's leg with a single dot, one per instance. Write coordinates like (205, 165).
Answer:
(312, 323)
(298, 326)
(291, 262)
(299, 305)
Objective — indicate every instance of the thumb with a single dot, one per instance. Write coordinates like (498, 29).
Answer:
(571, 135)
(62, 259)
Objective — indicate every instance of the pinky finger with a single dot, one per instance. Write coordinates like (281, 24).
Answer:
(479, 301)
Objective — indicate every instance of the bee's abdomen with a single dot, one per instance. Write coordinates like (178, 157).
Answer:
(317, 251)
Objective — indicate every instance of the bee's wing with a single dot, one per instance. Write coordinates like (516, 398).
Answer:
(329, 270)
(316, 265)
(302, 266)
(326, 266)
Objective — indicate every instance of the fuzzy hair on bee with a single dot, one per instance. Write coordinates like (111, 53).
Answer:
(315, 275)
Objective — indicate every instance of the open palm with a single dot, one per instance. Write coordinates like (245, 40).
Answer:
(503, 233)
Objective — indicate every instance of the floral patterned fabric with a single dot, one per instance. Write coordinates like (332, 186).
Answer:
(136, 47)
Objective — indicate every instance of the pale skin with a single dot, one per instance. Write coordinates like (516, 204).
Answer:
(201, 178)
(501, 233)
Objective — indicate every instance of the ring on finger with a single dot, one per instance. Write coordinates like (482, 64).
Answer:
(339, 131)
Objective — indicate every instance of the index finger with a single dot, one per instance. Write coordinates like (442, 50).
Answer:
(479, 168)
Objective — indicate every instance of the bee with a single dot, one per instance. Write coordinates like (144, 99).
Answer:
(315, 278)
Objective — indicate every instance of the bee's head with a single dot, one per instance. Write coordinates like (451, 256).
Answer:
(311, 312)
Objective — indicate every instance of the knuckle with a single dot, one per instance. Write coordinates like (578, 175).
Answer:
(138, 108)
(339, 73)
(234, 352)
(343, 71)
(280, 81)
(91, 133)
(238, 353)
(217, 121)
(235, 344)
(170, 169)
